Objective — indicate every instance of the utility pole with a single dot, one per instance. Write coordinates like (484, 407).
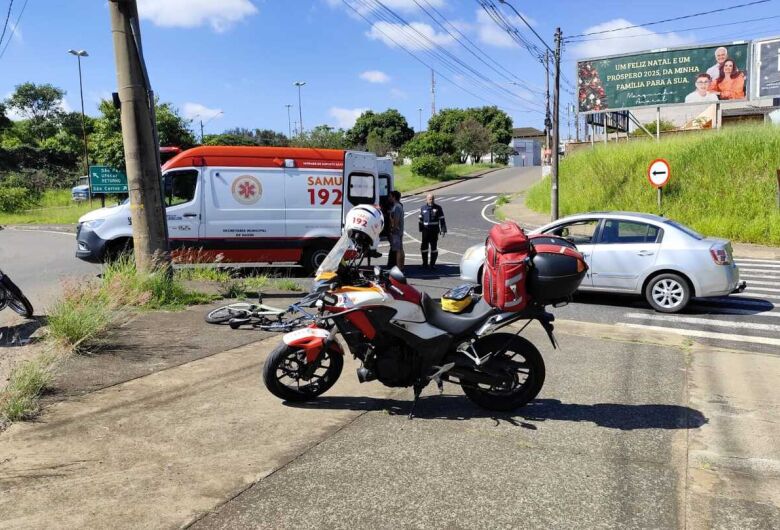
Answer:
(547, 123)
(556, 126)
(201, 131)
(289, 126)
(147, 211)
(299, 84)
(79, 54)
(433, 94)
(419, 128)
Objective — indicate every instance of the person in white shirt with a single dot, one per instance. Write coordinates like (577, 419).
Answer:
(721, 54)
(700, 95)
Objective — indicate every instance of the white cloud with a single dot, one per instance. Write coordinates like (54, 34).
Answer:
(397, 93)
(409, 35)
(202, 112)
(193, 13)
(407, 6)
(491, 33)
(624, 41)
(375, 76)
(345, 118)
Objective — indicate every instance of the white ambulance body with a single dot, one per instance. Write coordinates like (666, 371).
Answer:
(249, 205)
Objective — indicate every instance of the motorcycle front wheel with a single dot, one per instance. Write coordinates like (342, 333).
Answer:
(285, 373)
(515, 358)
(14, 298)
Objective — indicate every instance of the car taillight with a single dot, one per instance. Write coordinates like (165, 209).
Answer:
(720, 256)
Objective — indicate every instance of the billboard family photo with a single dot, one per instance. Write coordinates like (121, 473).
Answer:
(692, 75)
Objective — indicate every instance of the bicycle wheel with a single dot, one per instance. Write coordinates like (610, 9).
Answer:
(283, 325)
(15, 299)
(222, 315)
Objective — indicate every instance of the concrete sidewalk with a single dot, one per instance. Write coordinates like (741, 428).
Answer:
(517, 211)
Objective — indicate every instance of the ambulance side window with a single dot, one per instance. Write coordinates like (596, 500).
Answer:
(361, 189)
(180, 186)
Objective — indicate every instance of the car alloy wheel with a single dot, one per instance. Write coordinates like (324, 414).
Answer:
(668, 293)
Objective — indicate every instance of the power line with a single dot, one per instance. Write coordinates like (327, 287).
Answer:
(13, 30)
(527, 24)
(416, 58)
(678, 30)
(670, 19)
(7, 18)
(495, 14)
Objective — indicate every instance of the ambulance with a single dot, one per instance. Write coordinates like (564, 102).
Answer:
(249, 205)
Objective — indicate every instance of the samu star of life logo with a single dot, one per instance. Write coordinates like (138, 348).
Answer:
(247, 189)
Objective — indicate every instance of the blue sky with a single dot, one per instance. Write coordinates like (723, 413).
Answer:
(241, 57)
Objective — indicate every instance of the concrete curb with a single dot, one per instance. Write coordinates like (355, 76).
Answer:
(64, 229)
(447, 183)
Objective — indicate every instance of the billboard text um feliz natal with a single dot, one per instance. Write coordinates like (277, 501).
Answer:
(691, 75)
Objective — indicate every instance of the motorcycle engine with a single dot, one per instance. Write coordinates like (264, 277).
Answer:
(395, 365)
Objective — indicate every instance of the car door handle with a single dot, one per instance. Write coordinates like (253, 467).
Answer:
(190, 215)
(645, 253)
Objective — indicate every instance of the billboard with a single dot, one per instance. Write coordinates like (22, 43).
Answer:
(687, 75)
(767, 67)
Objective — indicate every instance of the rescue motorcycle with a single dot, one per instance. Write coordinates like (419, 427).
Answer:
(11, 296)
(402, 336)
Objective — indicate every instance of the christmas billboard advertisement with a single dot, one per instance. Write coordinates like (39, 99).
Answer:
(767, 67)
(690, 75)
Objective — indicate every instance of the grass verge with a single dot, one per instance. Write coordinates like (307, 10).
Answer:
(56, 207)
(723, 183)
(405, 180)
(19, 399)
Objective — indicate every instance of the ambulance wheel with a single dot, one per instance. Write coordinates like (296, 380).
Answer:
(313, 257)
(118, 248)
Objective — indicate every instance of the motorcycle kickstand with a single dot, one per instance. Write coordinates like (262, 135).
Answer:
(418, 388)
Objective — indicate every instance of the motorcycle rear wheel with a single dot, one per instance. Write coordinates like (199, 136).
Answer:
(521, 361)
(283, 371)
(15, 299)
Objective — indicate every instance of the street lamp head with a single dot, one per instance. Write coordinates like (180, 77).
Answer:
(299, 83)
(80, 53)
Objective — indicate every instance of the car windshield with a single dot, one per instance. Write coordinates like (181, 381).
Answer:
(334, 257)
(690, 231)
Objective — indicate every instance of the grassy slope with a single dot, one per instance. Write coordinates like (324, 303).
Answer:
(405, 180)
(722, 184)
(56, 208)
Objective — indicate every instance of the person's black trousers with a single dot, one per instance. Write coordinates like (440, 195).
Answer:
(430, 238)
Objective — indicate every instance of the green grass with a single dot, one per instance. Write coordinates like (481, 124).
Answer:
(56, 207)
(405, 180)
(19, 399)
(723, 183)
(286, 284)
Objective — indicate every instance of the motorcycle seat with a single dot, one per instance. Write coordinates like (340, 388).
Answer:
(456, 323)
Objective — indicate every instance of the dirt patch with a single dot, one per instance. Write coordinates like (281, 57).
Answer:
(17, 343)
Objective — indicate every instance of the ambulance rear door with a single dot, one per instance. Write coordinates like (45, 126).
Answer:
(361, 180)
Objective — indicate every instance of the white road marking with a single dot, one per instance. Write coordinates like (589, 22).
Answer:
(705, 334)
(475, 198)
(760, 271)
(765, 264)
(750, 294)
(758, 260)
(758, 290)
(756, 282)
(71, 234)
(485, 217)
(731, 311)
(706, 321)
(461, 199)
(489, 198)
(442, 199)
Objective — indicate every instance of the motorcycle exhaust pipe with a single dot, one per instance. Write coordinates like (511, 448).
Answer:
(365, 375)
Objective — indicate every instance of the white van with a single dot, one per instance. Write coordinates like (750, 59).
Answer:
(249, 205)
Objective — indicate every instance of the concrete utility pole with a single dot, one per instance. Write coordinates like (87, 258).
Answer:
(547, 123)
(556, 127)
(299, 84)
(289, 123)
(433, 94)
(139, 135)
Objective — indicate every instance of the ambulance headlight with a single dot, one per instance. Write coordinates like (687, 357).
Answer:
(93, 224)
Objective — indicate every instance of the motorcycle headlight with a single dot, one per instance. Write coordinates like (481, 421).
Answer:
(93, 224)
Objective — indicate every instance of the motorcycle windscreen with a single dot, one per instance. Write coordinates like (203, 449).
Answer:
(330, 265)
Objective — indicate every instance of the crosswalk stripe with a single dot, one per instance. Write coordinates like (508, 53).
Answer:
(706, 321)
(732, 311)
(759, 290)
(763, 265)
(461, 199)
(442, 199)
(757, 260)
(489, 198)
(760, 271)
(757, 282)
(755, 295)
(475, 198)
(705, 334)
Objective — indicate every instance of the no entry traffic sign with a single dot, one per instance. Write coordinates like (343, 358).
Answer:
(658, 173)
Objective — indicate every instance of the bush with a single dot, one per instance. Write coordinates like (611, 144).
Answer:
(428, 166)
(16, 199)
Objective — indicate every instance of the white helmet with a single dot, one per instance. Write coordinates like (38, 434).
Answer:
(363, 225)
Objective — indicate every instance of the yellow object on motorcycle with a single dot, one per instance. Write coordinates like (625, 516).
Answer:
(456, 300)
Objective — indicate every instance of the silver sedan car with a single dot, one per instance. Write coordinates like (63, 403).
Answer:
(658, 258)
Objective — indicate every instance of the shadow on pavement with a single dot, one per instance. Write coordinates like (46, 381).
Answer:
(19, 335)
(610, 415)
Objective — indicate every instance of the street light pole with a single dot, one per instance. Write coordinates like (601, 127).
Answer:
(79, 54)
(289, 123)
(420, 125)
(299, 84)
(202, 123)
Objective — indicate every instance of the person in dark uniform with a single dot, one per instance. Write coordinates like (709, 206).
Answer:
(431, 223)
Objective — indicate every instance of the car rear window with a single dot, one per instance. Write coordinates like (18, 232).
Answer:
(690, 231)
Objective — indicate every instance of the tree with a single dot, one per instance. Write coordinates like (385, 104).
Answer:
(228, 139)
(495, 120)
(5, 121)
(41, 105)
(322, 136)
(390, 125)
(473, 139)
(447, 120)
(242, 136)
(106, 143)
(430, 143)
(376, 143)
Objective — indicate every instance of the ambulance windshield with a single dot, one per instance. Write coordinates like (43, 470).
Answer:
(331, 262)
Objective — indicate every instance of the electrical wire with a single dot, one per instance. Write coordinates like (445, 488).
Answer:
(421, 61)
(527, 24)
(7, 18)
(670, 19)
(13, 29)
